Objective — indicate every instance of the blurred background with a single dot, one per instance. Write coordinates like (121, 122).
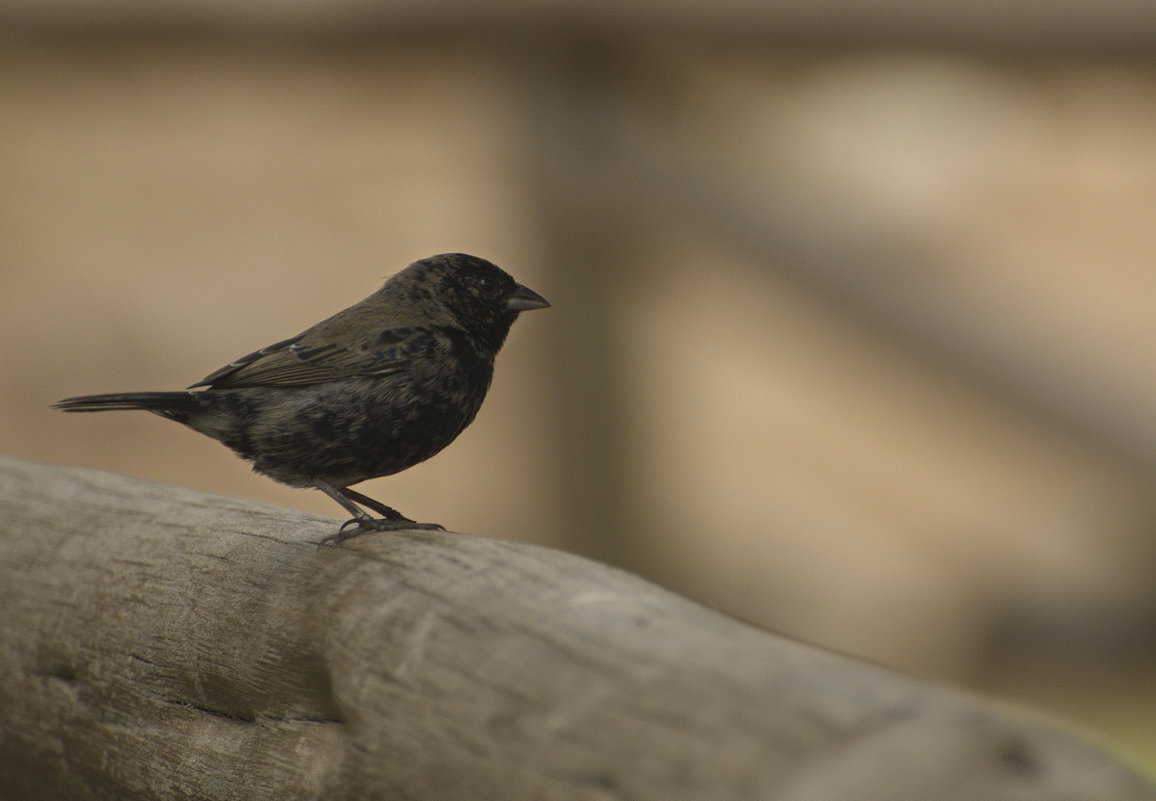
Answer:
(854, 324)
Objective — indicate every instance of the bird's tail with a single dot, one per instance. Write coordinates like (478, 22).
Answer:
(175, 405)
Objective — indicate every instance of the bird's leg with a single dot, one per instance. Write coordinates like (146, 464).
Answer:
(387, 512)
(393, 520)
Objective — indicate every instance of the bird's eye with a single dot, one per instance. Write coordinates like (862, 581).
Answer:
(487, 284)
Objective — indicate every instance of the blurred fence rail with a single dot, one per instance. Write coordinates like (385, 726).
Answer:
(1115, 26)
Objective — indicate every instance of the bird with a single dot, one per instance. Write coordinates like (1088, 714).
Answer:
(371, 391)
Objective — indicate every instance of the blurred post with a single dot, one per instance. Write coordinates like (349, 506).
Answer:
(564, 81)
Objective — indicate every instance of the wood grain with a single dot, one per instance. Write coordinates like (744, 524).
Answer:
(164, 644)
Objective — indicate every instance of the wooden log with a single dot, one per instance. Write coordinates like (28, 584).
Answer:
(160, 643)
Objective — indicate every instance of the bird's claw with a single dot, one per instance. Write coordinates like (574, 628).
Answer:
(367, 524)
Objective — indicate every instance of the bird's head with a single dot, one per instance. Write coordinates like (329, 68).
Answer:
(479, 296)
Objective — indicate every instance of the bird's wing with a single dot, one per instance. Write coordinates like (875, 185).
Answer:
(299, 361)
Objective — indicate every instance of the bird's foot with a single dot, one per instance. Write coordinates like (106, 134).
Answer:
(357, 526)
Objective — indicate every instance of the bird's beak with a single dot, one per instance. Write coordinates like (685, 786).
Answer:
(524, 299)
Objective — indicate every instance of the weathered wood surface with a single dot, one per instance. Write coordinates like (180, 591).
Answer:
(159, 643)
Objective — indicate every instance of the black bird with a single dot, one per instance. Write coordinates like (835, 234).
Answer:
(369, 392)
